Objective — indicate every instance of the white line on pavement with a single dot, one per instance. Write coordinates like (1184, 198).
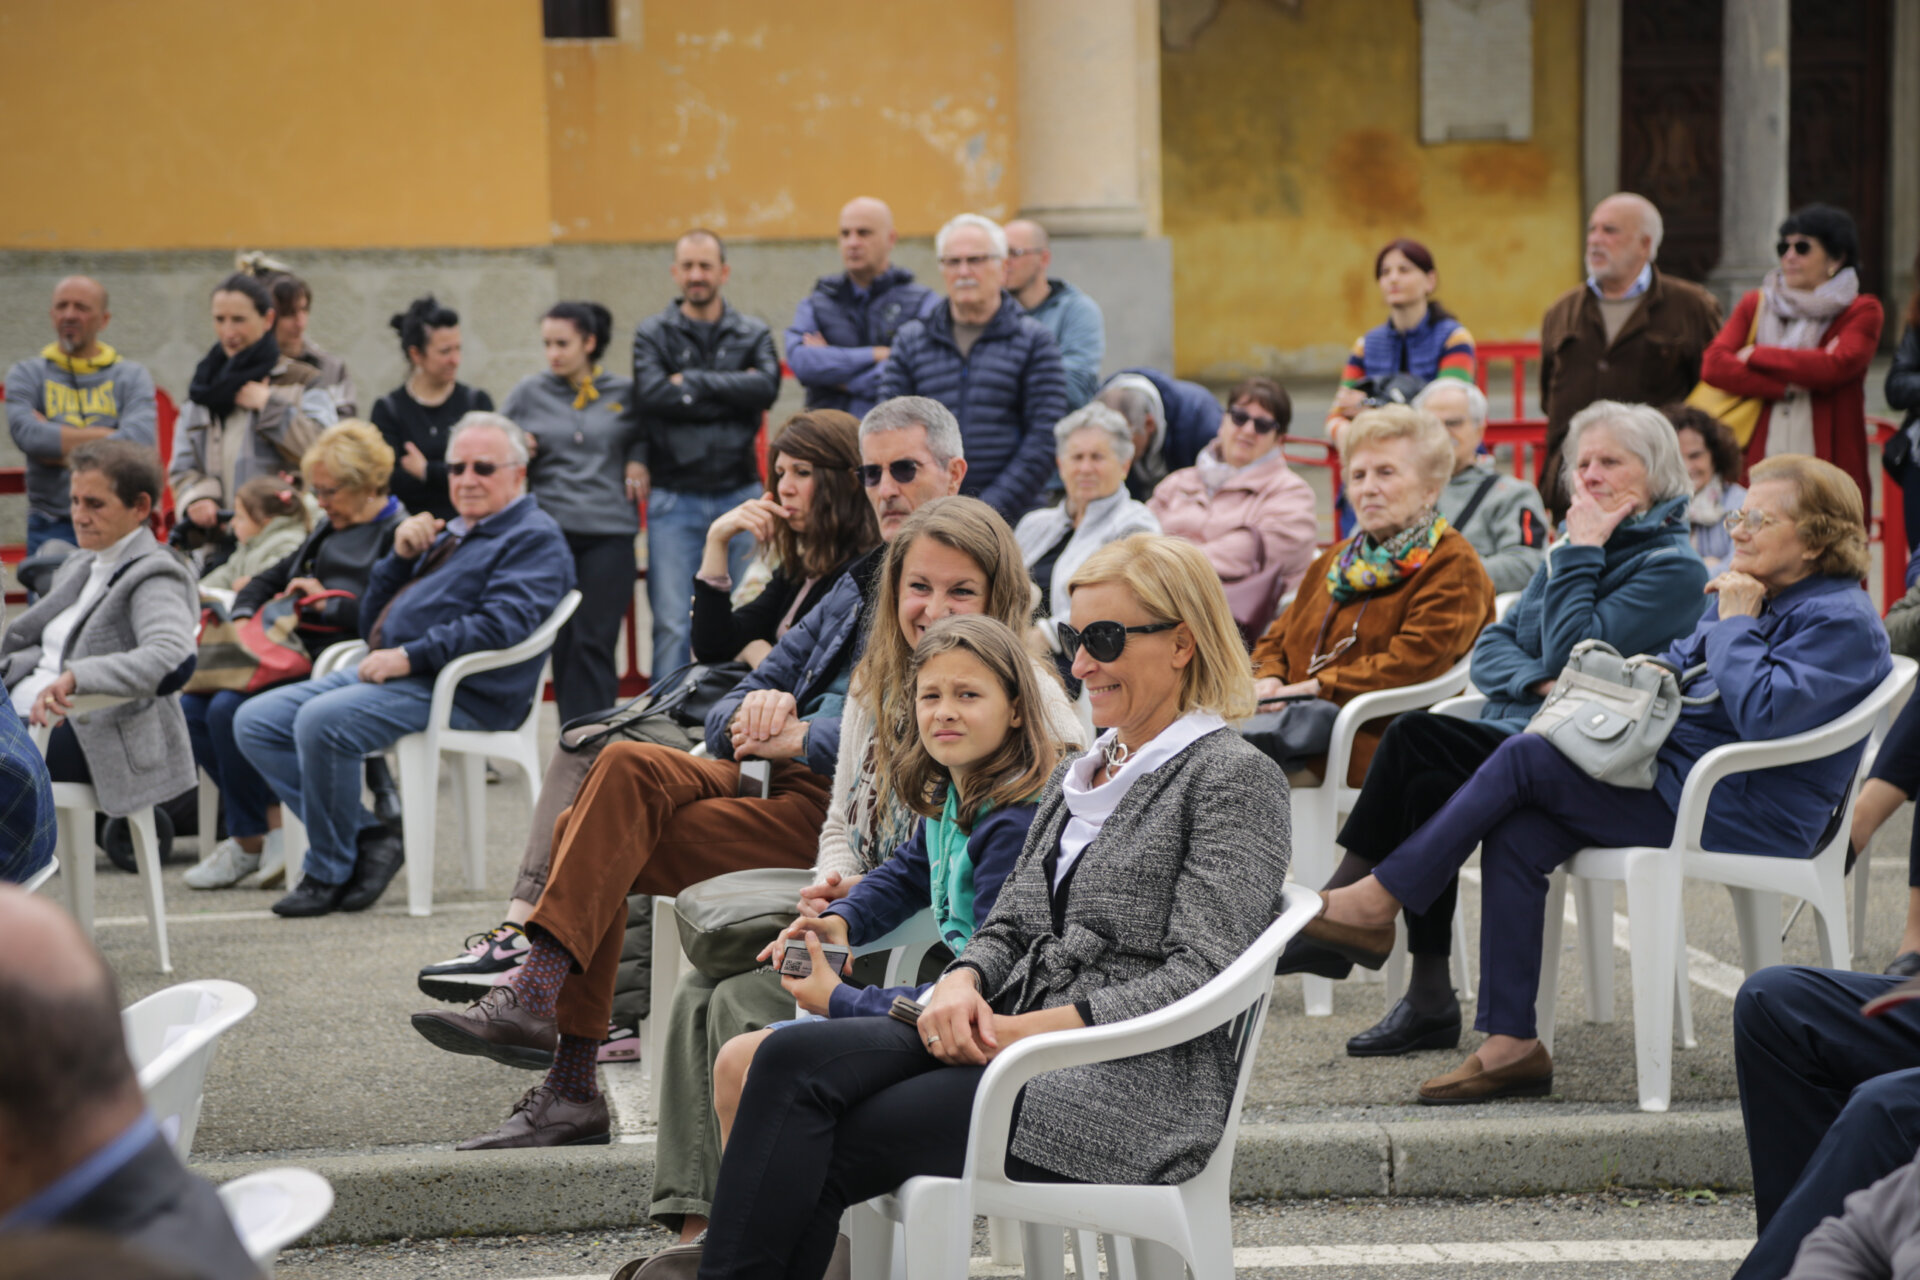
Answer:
(1703, 968)
(233, 917)
(1461, 1254)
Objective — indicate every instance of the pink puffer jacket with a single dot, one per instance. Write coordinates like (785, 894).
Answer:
(1258, 530)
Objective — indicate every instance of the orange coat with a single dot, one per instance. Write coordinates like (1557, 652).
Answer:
(1411, 632)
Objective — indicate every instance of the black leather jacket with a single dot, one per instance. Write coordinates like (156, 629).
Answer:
(342, 560)
(697, 435)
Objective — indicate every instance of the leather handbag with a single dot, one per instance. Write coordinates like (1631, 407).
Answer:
(683, 696)
(727, 921)
(1740, 414)
(255, 652)
(1294, 734)
(1610, 715)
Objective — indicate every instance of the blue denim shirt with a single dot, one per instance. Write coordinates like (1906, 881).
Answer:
(27, 830)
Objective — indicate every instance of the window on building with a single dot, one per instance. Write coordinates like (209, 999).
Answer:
(1476, 70)
(579, 19)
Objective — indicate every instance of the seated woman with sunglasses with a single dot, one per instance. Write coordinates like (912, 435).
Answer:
(1244, 507)
(1789, 642)
(1399, 602)
(1623, 571)
(1153, 861)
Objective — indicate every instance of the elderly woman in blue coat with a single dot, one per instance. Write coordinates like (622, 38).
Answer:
(1789, 642)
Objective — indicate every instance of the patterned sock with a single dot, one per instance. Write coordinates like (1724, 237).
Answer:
(573, 1075)
(545, 969)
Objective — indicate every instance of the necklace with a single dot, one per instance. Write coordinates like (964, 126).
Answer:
(1116, 752)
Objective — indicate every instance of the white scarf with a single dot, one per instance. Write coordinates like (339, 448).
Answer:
(1795, 319)
(1215, 471)
(1089, 806)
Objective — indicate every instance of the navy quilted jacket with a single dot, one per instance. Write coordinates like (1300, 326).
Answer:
(844, 375)
(1007, 393)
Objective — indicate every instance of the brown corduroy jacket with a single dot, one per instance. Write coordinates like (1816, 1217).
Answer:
(1408, 633)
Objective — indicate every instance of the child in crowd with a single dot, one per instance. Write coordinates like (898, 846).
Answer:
(270, 522)
(973, 771)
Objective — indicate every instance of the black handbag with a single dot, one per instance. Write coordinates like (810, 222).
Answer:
(1295, 733)
(684, 696)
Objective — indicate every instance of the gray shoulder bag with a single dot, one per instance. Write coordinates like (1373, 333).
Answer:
(1610, 715)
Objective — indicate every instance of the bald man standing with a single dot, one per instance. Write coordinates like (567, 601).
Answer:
(78, 1148)
(1073, 318)
(76, 390)
(842, 331)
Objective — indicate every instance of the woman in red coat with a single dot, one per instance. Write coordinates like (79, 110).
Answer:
(1807, 354)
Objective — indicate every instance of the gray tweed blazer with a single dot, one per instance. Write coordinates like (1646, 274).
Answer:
(1182, 878)
(136, 633)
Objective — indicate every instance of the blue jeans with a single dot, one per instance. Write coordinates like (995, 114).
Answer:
(308, 740)
(676, 534)
(42, 529)
(244, 794)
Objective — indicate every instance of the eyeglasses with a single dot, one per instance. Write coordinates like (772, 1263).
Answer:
(903, 470)
(1752, 519)
(1105, 641)
(481, 469)
(1801, 246)
(972, 263)
(1023, 253)
(1241, 418)
(324, 493)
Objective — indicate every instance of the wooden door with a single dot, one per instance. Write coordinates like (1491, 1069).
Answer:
(1670, 70)
(1837, 120)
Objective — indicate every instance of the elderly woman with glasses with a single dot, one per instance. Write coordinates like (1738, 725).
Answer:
(1788, 643)
(1244, 507)
(1622, 572)
(1802, 342)
(1095, 449)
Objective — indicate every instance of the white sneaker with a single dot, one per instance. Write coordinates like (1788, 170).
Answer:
(273, 862)
(224, 867)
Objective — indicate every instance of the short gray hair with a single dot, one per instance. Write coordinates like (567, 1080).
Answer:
(1096, 417)
(1644, 432)
(994, 231)
(479, 418)
(902, 412)
(1476, 398)
(1652, 225)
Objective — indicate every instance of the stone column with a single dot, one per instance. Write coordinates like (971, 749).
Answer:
(1753, 132)
(1600, 106)
(1903, 156)
(1083, 64)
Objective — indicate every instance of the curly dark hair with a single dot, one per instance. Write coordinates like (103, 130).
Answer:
(1266, 393)
(1724, 449)
(841, 524)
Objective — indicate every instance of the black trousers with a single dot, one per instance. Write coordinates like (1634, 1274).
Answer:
(834, 1113)
(1831, 1100)
(1421, 761)
(584, 676)
(1899, 764)
(65, 761)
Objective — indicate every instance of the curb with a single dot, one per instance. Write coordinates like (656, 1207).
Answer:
(430, 1194)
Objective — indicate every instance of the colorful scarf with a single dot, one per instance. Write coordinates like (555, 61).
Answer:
(79, 364)
(1365, 566)
(585, 393)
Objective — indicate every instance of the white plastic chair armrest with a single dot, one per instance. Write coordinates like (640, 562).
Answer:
(218, 595)
(919, 928)
(338, 655)
(1187, 1018)
(448, 678)
(1466, 706)
(1385, 702)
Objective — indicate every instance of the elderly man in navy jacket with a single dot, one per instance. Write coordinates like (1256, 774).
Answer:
(1172, 422)
(997, 368)
(487, 580)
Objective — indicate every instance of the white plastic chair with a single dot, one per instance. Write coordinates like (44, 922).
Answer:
(40, 877)
(1317, 810)
(1655, 878)
(170, 1038)
(74, 805)
(273, 1208)
(1169, 1228)
(1863, 863)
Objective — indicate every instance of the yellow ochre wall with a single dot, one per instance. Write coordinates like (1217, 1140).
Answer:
(761, 119)
(1291, 153)
(178, 124)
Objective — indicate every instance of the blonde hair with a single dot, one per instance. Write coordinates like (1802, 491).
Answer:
(1432, 446)
(1174, 582)
(1013, 774)
(882, 682)
(1828, 509)
(355, 453)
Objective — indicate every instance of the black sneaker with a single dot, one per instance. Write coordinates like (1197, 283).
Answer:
(491, 959)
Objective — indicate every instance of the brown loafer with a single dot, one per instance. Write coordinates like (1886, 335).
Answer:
(542, 1118)
(1531, 1077)
(1366, 945)
(495, 1026)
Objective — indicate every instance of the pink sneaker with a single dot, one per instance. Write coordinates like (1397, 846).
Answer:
(491, 958)
(621, 1045)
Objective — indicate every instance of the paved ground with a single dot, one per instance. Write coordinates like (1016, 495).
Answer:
(1666, 1235)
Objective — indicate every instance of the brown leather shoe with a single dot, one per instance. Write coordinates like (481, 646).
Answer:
(1531, 1077)
(1366, 945)
(495, 1026)
(542, 1118)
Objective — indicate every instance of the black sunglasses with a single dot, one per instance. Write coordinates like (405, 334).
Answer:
(481, 469)
(903, 470)
(1262, 425)
(1105, 641)
(1801, 246)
